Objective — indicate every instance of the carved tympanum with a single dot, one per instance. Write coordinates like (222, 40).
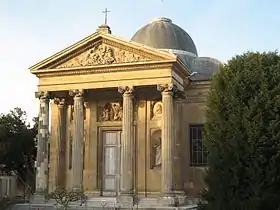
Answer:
(102, 54)
(110, 112)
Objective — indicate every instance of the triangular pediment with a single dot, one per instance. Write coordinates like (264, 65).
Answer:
(102, 49)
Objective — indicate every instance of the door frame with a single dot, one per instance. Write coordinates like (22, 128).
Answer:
(100, 160)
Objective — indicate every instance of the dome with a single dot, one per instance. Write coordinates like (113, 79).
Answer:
(161, 33)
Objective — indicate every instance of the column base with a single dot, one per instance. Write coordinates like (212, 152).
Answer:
(78, 190)
(181, 197)
(168, 200)
(125, 201)
(38, 198)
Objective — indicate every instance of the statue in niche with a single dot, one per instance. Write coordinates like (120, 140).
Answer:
(110, 112)
(156, 158)
(157, 148)
(157, 110)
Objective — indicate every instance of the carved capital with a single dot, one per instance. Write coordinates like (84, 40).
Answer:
(76, 93)
(60, 102)
(125, 89)
(167, 87)
(171, 89)
(42, 95)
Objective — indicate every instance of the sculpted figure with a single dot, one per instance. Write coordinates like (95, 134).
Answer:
(117, 112)
(157, 110)
(110, 112)
(157, 153)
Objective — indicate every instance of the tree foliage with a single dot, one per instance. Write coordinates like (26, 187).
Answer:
(243, 135)
(17, 138)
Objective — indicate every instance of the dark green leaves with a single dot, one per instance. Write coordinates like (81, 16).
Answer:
(19, 153)
(243, 134)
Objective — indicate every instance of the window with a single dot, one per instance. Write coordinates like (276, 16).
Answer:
(198, 151)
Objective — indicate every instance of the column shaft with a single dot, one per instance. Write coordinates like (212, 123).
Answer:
(42, 144)
(127, 142)
(61, 132)
(168, 142)
(78, 141)
(168, 139)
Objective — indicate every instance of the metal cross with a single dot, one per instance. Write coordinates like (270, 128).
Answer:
(106, 11)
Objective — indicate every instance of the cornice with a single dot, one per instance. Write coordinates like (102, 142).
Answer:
(103, 69)
(200, 84)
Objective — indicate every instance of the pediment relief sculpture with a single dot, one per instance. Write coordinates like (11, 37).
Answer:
(110, 112)
(102, 54)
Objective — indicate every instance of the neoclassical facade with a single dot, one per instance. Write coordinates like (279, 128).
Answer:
(126, 116)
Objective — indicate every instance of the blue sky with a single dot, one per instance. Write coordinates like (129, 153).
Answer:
(32, 30)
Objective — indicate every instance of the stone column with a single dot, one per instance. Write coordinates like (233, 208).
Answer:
(42, 144)
(78, 140)
(127, 142)
(168, 142)
(61, 143)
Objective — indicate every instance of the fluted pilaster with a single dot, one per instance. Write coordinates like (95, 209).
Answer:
(78, 139)
(127, 142)
(61, 143)
(43, 142)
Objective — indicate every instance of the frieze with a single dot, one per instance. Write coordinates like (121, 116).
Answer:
(102, 54)
(111, 111)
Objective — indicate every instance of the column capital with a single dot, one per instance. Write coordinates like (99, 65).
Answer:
(60, 102)
(42, 95)
(163, 88)
(125, 89)
(76, 93)
(171, 89)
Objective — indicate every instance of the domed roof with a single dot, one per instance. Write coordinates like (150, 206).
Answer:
(161, 33)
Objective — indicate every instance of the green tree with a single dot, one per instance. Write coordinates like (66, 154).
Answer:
(18, 137)
(242, 135)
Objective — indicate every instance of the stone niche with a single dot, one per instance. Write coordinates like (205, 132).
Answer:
(109, 111)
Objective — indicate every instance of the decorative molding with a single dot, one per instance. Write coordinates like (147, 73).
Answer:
(110, 111)
(102, 54)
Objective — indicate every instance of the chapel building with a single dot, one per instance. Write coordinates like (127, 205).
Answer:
(126, 116)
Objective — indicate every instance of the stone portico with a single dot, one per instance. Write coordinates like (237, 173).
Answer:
(117, 112)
